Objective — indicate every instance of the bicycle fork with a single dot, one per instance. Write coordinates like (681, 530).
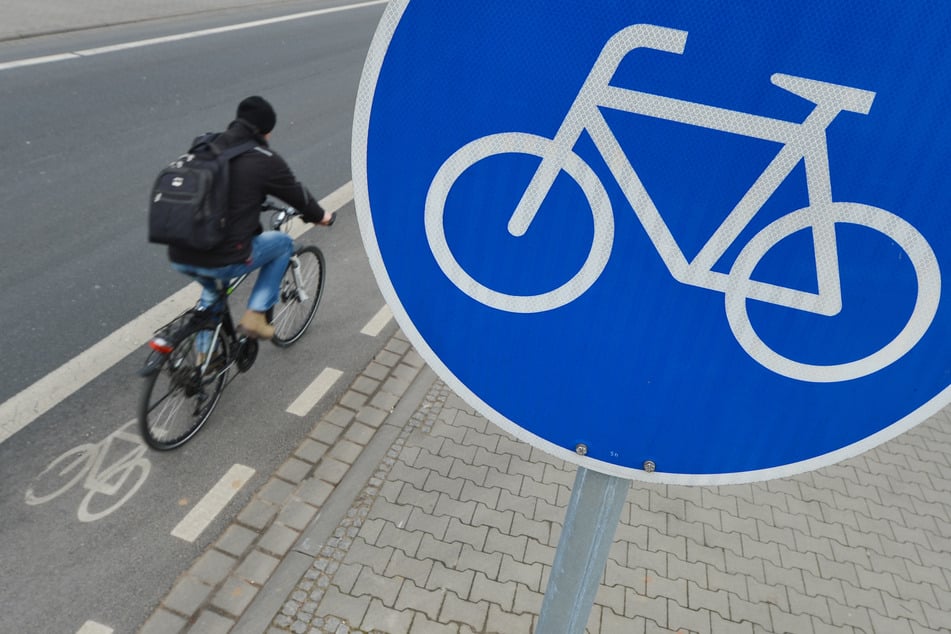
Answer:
(302, 295)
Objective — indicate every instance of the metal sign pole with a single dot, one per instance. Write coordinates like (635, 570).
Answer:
(590, 523)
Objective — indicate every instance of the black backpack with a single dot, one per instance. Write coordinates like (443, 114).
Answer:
(189, 202)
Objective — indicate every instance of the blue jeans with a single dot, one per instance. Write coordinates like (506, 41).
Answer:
(270, 252)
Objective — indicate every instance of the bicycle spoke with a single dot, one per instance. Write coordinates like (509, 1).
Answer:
(171, 407)
(188, 396)
(301, 290)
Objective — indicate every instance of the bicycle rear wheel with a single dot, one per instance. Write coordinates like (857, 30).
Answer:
(181, 392)
(299, 297)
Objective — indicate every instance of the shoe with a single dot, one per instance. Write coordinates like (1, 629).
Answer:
(254, 324)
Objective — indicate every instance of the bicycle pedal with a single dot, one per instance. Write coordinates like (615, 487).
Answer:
(247, 353)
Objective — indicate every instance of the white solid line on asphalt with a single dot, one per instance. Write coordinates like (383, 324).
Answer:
(182, 36)
(314, 392)
(204, 513)
(376, 325)
(23, 408)
(91, 627)
(34, 401)
(33, 61)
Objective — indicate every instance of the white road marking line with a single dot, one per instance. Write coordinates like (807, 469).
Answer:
(23, 408)
(376, 325)
(181, 36)
(208, 508)
(337, 199)
(91, 627)
(314, 392)
(33, 61)
(34, 401)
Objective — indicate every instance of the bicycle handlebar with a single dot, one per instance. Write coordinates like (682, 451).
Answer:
(284, 213)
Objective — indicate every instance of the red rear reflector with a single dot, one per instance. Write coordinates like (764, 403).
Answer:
(160, 345)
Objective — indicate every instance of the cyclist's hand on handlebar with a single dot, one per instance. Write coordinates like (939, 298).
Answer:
(329, 218)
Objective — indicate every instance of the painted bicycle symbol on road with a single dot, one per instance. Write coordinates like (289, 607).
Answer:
(805, 141)
(108, 486)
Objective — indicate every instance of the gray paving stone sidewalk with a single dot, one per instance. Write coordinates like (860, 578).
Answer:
(446, 524)
(461, 535)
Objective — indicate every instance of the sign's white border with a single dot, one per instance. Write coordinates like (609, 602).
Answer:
(361, 124)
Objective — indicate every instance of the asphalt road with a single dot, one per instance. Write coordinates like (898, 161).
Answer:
(83, 139)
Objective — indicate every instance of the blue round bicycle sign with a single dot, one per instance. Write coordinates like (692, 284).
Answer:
(675, 241)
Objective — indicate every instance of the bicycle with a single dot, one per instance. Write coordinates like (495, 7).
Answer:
(192, 356)
(86, 463)
(804, 142)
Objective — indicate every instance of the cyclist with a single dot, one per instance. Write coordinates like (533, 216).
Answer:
(253, 176)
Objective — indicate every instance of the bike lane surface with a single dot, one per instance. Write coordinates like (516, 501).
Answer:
(113, 526)
(69, 560)
(454, 529)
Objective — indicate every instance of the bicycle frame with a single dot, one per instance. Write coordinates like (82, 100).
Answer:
(236, 282)
(804, 141)
(226, 322)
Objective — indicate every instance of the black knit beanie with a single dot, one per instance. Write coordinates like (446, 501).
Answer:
(258, 112)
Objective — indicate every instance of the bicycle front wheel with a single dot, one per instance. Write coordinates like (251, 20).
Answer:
(181, 392)
(301, 289)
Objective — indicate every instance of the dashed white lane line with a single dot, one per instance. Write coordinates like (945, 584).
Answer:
(23, 408)
(33, 61)
(208, 508)
(314, 392)
(376, 325)
(91, 627)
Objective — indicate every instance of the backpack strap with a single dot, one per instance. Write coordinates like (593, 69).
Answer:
(209, 141)
(205, 141)
(229, 153)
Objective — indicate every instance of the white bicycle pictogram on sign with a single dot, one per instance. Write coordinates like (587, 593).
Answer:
(86, 463)
(804, 141)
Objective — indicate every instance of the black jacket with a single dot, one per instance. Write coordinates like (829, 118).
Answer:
(252, 177)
